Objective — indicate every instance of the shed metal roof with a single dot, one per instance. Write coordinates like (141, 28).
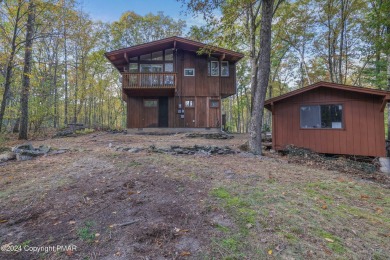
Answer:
(383, 93)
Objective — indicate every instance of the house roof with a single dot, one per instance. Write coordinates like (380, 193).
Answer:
(321, 84)
(119, 58)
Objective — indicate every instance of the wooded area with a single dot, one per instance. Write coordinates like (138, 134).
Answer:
(69, 80)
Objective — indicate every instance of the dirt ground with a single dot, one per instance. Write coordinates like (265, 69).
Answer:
(111, 203)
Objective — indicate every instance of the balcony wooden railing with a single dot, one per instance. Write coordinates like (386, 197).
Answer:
(149, 80)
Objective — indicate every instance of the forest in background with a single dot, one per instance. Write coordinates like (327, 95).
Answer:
(52, 63)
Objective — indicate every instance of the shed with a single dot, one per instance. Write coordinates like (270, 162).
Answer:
(330, 118)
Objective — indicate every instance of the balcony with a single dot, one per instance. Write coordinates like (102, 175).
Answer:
(133, 81)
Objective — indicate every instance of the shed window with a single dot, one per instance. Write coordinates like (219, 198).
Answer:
(224, 68)
(150, 103)
(322, 116)
(189, 72)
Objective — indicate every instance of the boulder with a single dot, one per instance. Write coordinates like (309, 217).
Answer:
(7, 156)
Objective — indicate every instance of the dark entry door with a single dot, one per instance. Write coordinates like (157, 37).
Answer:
(163, 112)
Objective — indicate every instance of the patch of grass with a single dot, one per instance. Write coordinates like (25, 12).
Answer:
(220, 193)
(222, 228)
(230, 247)
(85, 233)
(134, 164)
(84, 131)
(333, 242)
(237, 206)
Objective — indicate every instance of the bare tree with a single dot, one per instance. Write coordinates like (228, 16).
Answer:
(27, 70)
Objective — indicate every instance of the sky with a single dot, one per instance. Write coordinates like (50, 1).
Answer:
(111, 10)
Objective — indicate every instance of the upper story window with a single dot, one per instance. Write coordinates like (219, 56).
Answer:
(151, 68)
(189, 72)
(224, 68)
(168, 67)
(133, 67)
(168, 54)
(322, 116)
(213, 67)
(146, 57)
(158, 55)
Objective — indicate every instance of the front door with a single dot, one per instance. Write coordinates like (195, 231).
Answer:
(163, 112)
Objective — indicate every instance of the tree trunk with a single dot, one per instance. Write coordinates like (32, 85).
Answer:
(10, 66)
(388, 84)
(65, 77)
(263, 77)
(27, 71)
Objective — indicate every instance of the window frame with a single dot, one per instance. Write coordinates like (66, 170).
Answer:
(320, 113)
(227, 63)
(189, 69)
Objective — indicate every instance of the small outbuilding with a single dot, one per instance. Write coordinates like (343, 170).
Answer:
(330, 118)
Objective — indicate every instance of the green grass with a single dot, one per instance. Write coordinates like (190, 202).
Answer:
(297, 216)
(332, 242)
(85, 233)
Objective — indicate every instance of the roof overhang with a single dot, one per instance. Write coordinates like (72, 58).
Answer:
(120, 58)
(376, 92)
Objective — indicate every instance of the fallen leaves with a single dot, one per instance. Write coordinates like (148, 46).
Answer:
(329, 240)
(69, 252)
(185, 253)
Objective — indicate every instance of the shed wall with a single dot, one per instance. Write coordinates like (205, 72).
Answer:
(363, 122)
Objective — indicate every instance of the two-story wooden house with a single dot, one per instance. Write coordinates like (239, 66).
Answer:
(175, 82)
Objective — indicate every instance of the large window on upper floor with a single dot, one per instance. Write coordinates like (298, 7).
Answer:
(168, 54)
(133, 67)
(322, 116)
(151, 68)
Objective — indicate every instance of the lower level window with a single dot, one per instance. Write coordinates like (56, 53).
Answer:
(150, 103)
(322, 116)
(190, 103)
(214, 103)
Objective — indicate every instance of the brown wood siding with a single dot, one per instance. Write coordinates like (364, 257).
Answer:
(201, 119)
(133, 112)
(363, 132)
(188, 85)
(214, 114)
(228, 84)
